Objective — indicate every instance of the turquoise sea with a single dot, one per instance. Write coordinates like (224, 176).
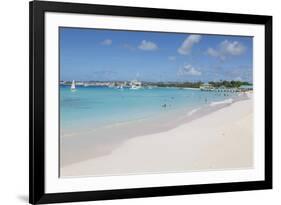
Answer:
(91, 107)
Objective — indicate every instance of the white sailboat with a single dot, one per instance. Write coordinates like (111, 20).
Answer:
(73, 88)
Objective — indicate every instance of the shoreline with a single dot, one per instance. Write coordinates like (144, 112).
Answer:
(76, 150)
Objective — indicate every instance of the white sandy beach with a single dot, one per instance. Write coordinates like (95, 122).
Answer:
(222, 139)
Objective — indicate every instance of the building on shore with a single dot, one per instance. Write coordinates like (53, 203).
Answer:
(209, 87)
(244, 88)
(225, 89)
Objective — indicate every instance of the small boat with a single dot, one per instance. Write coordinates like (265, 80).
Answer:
(135, 85)
(73, 88)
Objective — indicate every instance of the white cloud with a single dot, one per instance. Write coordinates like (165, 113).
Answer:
(147, 46)
(189, 70)
(232, 48)
(227, 48)
(188, 43)
(172, 58)
(212, 52)
(106, 42)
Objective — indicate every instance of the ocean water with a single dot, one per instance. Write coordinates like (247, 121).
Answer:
(91, 107)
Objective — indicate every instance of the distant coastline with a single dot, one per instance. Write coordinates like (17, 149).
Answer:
(233, 86)
(186, 84)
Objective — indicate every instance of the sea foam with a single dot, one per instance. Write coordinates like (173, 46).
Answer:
(193, 111)
(227, 101)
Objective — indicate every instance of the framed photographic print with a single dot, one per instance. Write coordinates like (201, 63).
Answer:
(141, 102)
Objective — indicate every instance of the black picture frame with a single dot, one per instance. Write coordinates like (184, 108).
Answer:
(37, 194)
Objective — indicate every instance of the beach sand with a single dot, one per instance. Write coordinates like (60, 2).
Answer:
(222, 139)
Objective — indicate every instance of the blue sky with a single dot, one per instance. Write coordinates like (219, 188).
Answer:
(108, 55)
